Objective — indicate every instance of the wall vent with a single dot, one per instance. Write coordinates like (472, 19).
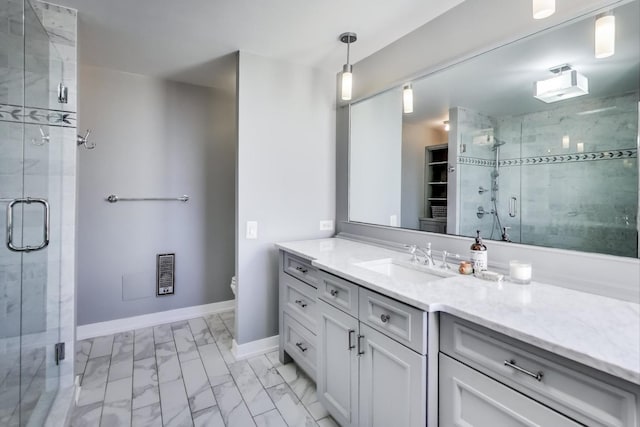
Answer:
(165, 276)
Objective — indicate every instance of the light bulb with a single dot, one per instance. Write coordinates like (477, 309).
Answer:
(566, 142)
(447, 126)
(407, 99)
(543, 8)
(605, 45)
(347, 85)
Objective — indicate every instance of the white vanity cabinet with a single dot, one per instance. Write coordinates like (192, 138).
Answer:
(485, 375)
(365, 375)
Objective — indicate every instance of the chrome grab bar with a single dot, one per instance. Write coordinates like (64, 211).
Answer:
(513, 206)
(28, 201)
(113, 199)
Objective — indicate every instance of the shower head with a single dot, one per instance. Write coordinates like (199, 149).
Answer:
(497, 143)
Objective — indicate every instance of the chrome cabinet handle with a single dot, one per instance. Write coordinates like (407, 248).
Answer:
(360, 349)
(301, 269)
(45, 237)
(385, 318)
(351, 344)
(334, 292)
(513, 207)
(301, 303)
(301, 347)
(512, 364)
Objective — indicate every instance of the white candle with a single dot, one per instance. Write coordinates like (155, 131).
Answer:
(520, 272)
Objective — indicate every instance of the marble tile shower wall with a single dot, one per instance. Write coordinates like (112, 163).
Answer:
(574, 170)
(43, 288)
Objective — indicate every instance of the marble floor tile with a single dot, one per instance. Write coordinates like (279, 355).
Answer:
(143, 345)
(270, 419)
(291, 409)
(186, 346)
(96, 371)
(116, 414)
(86, 416)
(122, 357)
(101, 346)
(145, 383)
(197, 385)
(252, 392)
(214, 365)
(209, 417)
(200, 331)
(265, 371)
(162, 334)
(147, 416)
(174, 404)
(168, 363)
(233, 409)
(189, 378)
(274, 358)
(82, 356)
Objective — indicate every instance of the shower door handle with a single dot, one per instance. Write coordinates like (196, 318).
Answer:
(45, 234)
(513, 207)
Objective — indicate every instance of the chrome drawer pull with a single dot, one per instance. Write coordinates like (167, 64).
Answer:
(301, 303)
(385, 318)
(512, 364)
(299, 345)
(301, 269)
(334, 292)
(351, 344)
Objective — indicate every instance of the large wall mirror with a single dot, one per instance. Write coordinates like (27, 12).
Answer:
(535, 142)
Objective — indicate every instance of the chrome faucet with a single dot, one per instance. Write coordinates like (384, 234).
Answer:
(446, 255)
(428, 260)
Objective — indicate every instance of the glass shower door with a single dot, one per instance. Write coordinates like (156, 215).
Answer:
(30, 194)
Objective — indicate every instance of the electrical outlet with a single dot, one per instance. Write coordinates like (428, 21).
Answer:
(252, 230)
(326, 225)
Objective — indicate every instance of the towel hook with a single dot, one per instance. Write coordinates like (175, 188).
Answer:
(43, 138)
(84, 140)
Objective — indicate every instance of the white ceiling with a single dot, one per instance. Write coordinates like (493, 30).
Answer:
(500, 82)
(185, 39)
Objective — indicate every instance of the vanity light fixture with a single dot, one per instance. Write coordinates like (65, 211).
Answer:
(605, 43)
(447, 126)
(347, 69)
(407, 98)
(566, 83)
(543, 8)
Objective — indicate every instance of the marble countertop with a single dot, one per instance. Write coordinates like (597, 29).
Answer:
(600, 332)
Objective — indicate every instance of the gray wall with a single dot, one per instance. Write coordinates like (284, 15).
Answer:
(285, 176)
(470, 28)
(163, 139)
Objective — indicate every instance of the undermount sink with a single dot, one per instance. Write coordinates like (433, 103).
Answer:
(404, 271)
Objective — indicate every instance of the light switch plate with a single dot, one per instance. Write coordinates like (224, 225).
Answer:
(252, 230)
(326, 225)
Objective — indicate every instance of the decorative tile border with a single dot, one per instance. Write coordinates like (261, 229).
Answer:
(37, 116)
(628, 153)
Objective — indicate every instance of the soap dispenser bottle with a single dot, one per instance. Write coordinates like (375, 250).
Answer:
(479, 254)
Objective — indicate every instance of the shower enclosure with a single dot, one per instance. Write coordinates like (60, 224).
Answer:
(31, 179)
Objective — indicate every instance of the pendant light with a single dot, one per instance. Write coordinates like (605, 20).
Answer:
(407, 98)
(347, 69)
(605, 45)
(543, 8)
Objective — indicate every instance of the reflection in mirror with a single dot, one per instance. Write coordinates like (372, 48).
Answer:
(534, 142)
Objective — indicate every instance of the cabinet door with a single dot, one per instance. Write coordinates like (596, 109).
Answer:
(469, 398)
(337, 374)
(393, 382)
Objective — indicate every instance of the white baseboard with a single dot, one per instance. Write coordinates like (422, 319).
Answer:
(152, 319)
(254, 348)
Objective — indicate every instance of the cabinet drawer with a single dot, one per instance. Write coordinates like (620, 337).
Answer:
(339, 293)
(301, 345)
(300, 301)
(587, 396)
(301, 268)
(469, 398)
(406, 324)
